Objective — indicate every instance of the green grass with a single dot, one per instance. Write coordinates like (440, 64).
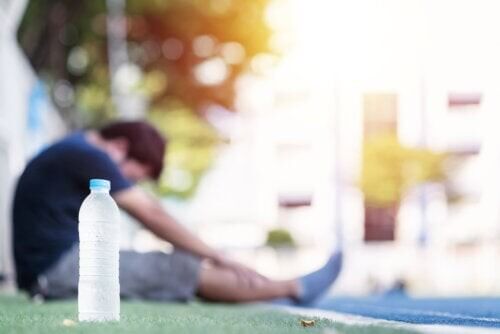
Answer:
(18, 315)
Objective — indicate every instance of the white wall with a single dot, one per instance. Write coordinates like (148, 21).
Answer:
(12, 88)
(17, 84)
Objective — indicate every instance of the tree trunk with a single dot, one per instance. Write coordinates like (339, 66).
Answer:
(380, 222)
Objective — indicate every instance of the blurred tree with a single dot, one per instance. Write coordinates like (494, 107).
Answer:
(203, 46)
(191, 149)
(66, 48)
(280, 238)
(390, 169)
(200, 47)
(187, 55)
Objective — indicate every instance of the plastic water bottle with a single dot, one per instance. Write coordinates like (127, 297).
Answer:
(98, 285)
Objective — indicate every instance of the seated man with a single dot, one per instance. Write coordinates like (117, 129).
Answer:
(45, 223)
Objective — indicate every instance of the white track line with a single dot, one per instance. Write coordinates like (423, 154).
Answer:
(366, 321)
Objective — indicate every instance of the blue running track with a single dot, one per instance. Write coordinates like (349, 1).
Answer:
(480, 312)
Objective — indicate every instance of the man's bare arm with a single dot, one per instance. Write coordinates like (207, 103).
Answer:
(148, 211)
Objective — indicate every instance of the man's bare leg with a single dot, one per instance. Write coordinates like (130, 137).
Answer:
(220, 284)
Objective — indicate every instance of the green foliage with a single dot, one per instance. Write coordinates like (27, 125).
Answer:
(280, 237)
(390, 169)
(52, 31)
(191, 148)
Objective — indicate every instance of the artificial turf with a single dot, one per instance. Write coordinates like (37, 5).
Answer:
(19, 315)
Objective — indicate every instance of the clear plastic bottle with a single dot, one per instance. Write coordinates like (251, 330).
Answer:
(98, 285)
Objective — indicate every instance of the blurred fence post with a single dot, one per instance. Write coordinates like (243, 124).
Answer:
(338, 221)
(128, 103)
(117, 45)
(423, 235)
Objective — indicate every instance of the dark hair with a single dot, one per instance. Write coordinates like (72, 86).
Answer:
(145, 143)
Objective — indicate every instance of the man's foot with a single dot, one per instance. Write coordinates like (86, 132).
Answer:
(314, 285)
(317, 283)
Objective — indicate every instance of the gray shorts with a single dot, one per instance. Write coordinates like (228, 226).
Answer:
(152, 276)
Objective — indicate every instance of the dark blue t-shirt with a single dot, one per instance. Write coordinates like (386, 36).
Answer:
(48, 196)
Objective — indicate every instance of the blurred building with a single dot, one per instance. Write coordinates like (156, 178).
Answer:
(414, 69)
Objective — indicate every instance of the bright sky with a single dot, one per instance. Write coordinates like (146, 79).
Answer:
(362, 38)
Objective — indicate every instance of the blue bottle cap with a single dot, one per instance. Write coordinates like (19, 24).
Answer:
(99, 184)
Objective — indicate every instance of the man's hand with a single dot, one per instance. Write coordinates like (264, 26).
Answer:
(247, 276)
